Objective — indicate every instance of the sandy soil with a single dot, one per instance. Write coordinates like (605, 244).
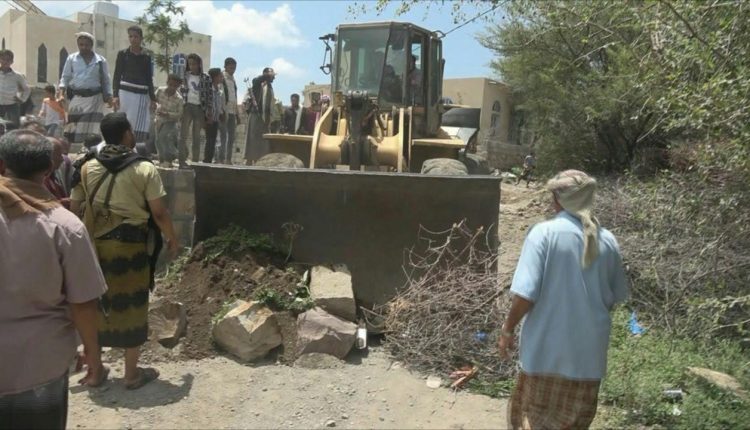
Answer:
(367, 391)
(520, 208)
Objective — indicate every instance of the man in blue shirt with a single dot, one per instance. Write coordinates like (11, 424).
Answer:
(85, 80)
(568, 279)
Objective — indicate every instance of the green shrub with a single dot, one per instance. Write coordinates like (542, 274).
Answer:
(297, 301)
(235, 240)
(642, 367)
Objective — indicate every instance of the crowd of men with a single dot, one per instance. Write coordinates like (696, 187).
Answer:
(98, 224)
(189, 106)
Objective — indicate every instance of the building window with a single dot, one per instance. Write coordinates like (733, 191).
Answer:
(63, 59)
(41, 63)
(3, 43)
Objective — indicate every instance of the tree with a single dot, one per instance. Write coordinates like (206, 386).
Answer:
(601, 82)
(161, 25)
(460, 11)
(606, 80)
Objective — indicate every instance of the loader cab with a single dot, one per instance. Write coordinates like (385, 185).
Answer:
(398, 64)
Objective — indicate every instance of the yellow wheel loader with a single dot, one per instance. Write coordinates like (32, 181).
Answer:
(377, 168)
(387, 81)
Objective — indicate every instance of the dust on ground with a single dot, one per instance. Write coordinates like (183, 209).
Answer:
(365, 392)
(201, 388)
(520, 208)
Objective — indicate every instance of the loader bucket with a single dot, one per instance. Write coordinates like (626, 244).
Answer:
(362, 219)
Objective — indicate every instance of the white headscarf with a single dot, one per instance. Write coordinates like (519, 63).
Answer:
(88, 36)
(575, 193)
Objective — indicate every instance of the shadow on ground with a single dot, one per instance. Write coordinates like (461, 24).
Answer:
(113, 393)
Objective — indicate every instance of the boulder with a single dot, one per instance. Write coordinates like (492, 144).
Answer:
(332, 291)
(248, 331)
(721, 380)
(319, 331)
(445, 167)
(167, 323)
(280, 160)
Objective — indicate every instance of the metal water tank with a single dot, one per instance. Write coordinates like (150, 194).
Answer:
(106, 8)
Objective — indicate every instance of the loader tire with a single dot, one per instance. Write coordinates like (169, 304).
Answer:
(280, 160)
(475, 164)
(445, 167)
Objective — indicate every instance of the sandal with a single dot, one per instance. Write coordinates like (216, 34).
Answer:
(100, 382)
(145, 375)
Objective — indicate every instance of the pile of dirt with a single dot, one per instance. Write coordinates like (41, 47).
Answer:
(208, 282)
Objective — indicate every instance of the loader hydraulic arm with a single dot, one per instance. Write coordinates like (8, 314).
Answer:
(356, 150)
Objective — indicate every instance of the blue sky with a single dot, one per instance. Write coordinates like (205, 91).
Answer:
(284, 35)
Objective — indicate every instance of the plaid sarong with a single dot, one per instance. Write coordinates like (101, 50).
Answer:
(552, 402)
(84, 116)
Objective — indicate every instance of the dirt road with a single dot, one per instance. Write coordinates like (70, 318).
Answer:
(366, 392)
(520, 208)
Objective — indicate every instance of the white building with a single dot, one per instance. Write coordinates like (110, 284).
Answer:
(41, 43)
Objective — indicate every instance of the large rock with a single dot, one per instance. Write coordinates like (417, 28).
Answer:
(445, 167)
(319, 331)
(248, 331)
(167, 323)
(332, 291)
(280, 160)
(721, 380)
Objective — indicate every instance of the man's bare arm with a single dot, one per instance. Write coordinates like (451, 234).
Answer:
(162, 219)
(518, 308)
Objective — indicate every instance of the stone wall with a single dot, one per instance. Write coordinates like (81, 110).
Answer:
(504, 156)
(180, 187)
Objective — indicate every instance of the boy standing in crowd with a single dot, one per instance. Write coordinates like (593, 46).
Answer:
(232, 119)
(217, 114)
(169, 106)
(52, 112)
(198, 95)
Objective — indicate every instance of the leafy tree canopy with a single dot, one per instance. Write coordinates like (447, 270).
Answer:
(162, 25)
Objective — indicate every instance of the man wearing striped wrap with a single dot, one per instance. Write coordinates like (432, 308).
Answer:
(133, 85)
(568, 279)
(121, 194)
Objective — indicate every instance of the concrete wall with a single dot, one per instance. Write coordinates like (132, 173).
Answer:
(24, 33)
(180, 187)
(504, 156)
(55, 34)
(465, 91)
(12, 29)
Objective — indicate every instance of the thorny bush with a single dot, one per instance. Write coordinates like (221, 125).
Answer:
(447, 314)
(685, 235)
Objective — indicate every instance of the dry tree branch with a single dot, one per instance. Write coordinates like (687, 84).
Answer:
(447, 316)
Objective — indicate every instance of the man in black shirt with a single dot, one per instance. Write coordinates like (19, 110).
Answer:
(133, 86)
